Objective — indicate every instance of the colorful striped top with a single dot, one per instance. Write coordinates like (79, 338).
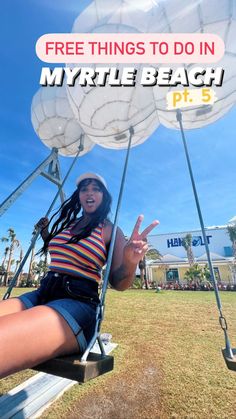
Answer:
(84, 259)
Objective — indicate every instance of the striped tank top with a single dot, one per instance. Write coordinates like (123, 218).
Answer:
(84, 259)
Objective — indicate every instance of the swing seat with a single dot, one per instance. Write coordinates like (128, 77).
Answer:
(230, 362)
(71, 367)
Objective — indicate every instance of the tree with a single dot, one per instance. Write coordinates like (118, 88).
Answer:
(40, 268)
(207, 273)
(194, 275)
(3, 268)
(31, 271)
(152, 254)
(187, 244)
(13, 244)
(6, 250)
(5, 256)
(231, 229)
(18, 262)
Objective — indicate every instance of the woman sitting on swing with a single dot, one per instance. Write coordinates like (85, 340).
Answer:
(59, 317)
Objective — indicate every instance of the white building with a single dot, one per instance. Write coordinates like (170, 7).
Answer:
(174, 262)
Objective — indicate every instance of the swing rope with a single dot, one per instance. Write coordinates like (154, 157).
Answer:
(37, 230)
(101, 306)
(222, 319)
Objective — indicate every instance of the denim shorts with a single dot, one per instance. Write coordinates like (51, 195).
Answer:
(73, 298)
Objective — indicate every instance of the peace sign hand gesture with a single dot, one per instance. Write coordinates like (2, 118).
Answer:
(136, 247)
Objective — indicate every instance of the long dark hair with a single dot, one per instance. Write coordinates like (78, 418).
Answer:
(71, 208)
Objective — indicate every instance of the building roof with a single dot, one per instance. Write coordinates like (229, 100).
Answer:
(233, 220)
(214, 256)
(168, 258)
(171, 258)
(197, 229)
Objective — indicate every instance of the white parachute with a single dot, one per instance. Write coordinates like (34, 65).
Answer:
(106, 113)
(55, 123)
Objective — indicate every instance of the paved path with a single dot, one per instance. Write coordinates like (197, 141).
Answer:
(31, 398)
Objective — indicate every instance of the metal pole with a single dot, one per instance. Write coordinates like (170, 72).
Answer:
(24, 185)
(101, 305)
(37, 231)
(217, 295)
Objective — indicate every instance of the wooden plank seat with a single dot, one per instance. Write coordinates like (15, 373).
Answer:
(71, 367)
(231, 363)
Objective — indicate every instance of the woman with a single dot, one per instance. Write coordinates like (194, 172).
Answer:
(59, 317)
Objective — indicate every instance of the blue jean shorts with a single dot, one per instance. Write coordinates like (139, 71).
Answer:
(65, 295)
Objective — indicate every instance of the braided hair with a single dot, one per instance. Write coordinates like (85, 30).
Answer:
(71, 208)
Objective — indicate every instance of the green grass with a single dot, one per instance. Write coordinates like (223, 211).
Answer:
(168, 363)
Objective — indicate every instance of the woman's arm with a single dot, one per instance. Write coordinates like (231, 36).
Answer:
(122, 269)
(127, 254)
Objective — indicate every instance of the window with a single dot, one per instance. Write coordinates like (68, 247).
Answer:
(228, 251)
(172, 275)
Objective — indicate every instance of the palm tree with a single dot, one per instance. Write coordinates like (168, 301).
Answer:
(31, 271)
(39, 269)
(18, 262)
(194, 275)
(13, 243)
(5, 256)
(187, 244)
(4, 240)
(231, 229)
(3, 268)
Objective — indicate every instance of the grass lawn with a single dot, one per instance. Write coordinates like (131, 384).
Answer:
(168, 363)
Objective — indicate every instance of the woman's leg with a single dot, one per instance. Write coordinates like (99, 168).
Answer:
(12, 305)
(17, 304)
(32, 336)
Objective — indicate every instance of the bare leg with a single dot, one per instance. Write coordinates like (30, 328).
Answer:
(31, 337)
(12, 305)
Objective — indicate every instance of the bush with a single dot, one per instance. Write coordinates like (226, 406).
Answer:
(137, 284)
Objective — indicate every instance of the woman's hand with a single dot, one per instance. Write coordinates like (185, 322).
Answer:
(127, 255)
(42, 226)
(136, 247)
(42, 223)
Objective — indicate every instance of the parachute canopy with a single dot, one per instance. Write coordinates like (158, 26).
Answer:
(105, 113)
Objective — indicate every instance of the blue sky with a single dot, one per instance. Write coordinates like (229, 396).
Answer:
(158, 183)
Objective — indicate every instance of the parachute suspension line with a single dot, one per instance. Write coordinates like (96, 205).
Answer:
(101, 305)
(81, 147)
(113, 236)
(36, 231)
(222, 319)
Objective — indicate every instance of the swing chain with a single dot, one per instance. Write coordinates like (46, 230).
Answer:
(7, 295)
(101, 312)
(223, 323)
